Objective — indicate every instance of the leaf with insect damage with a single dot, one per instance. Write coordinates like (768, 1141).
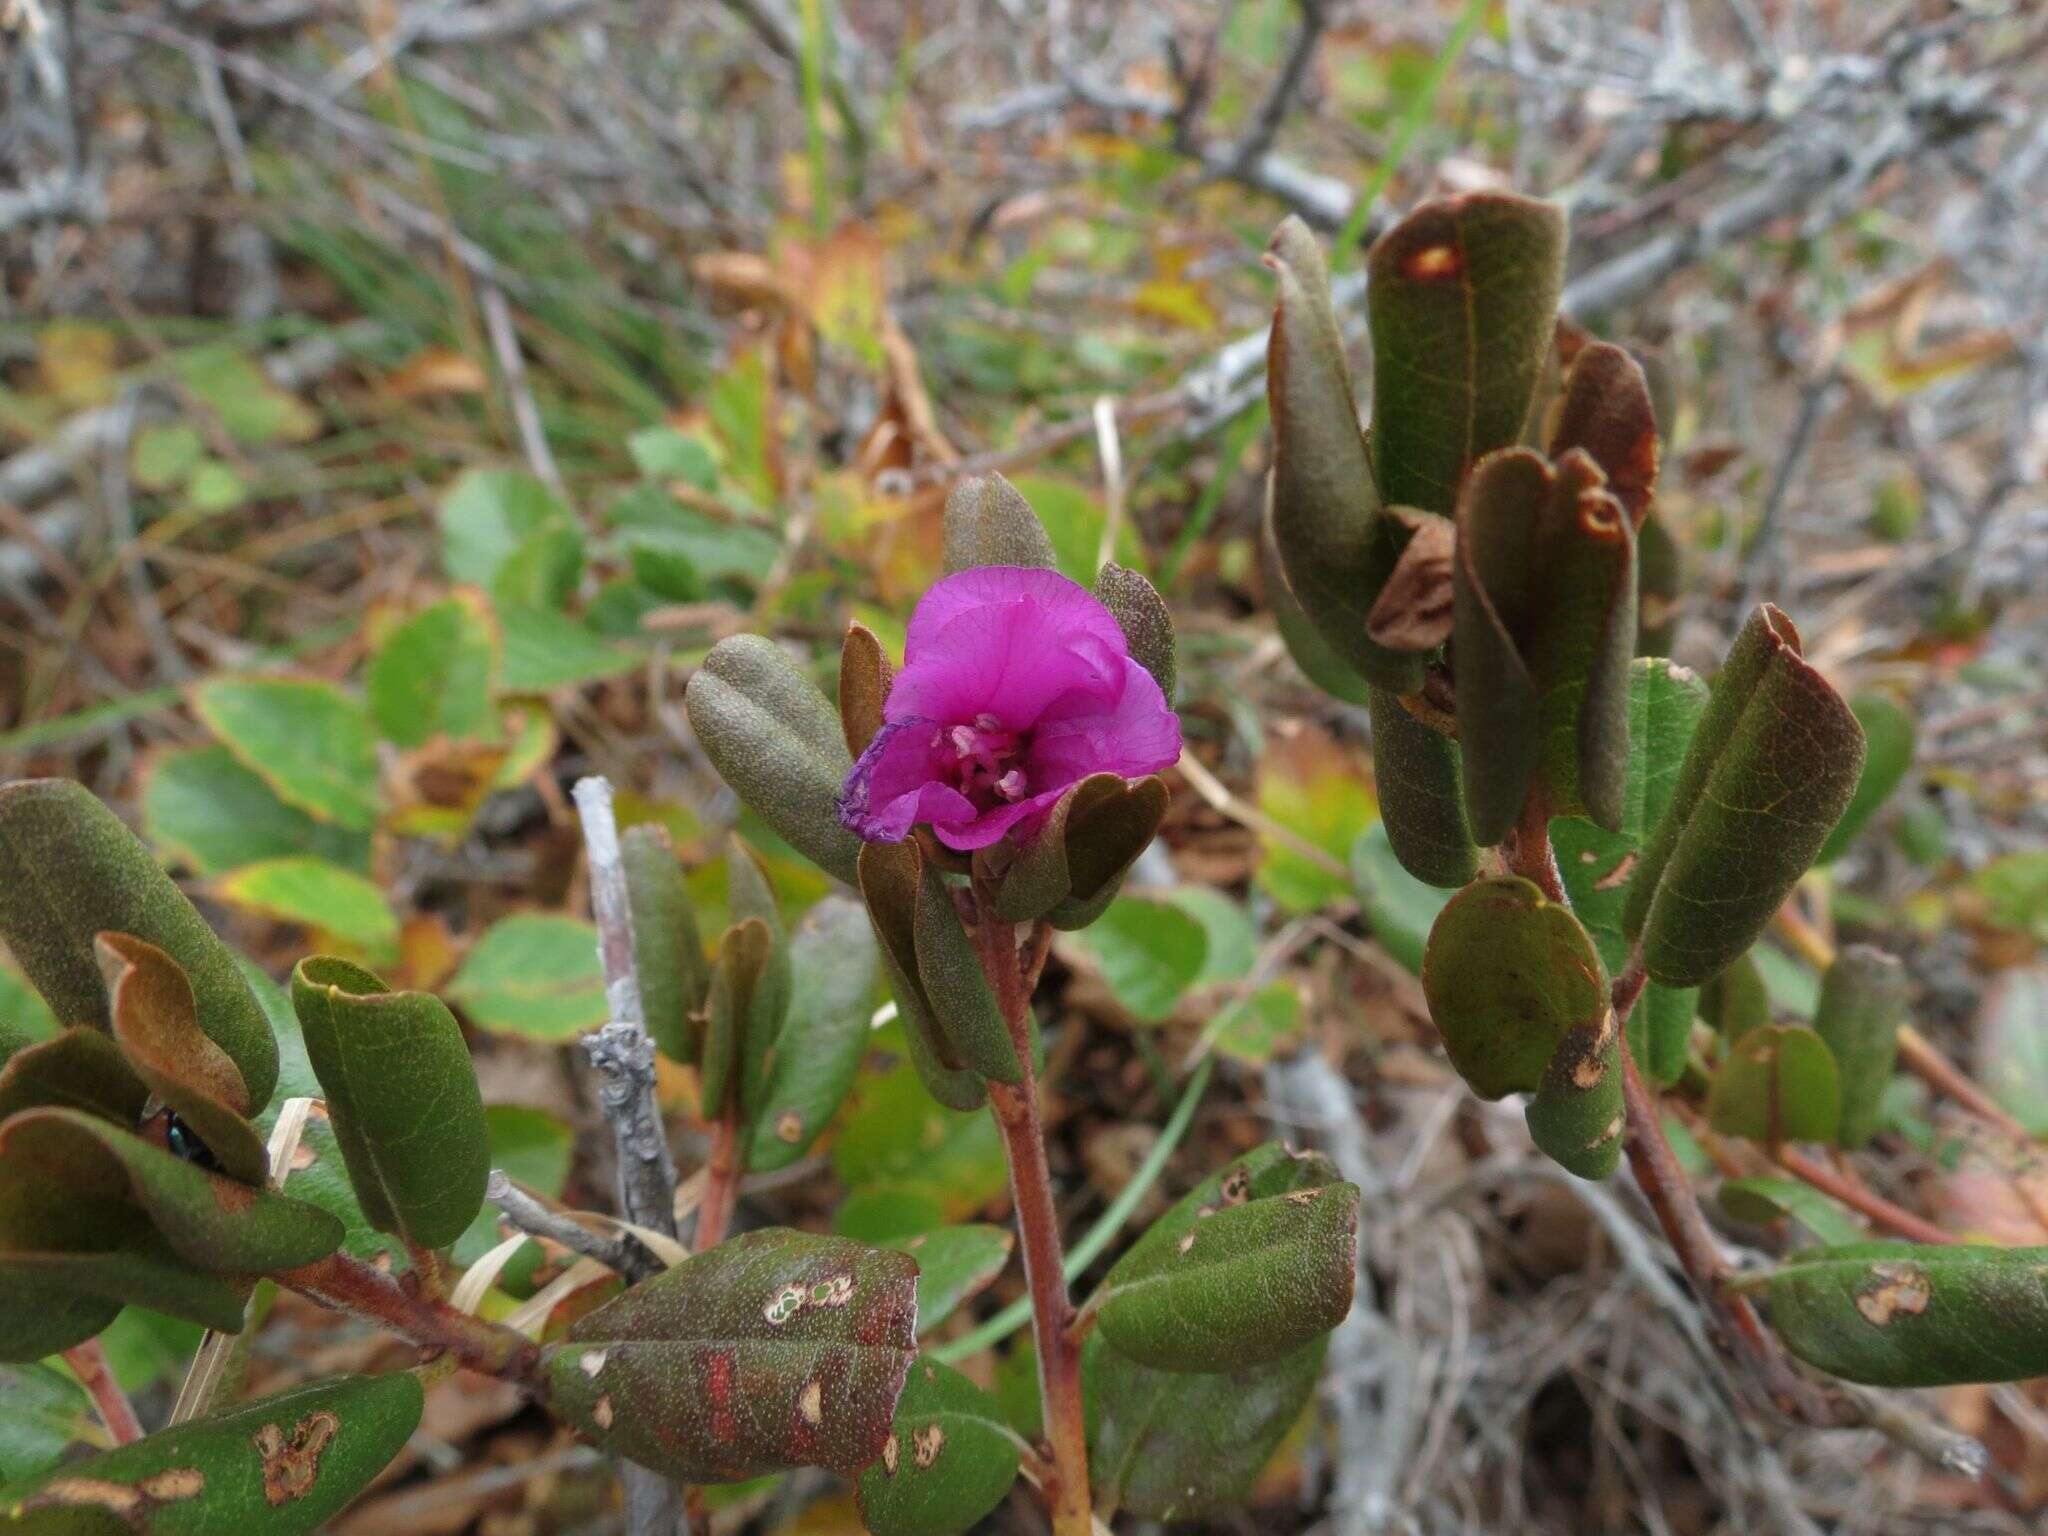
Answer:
(403, 1098)
(1508, 974)
(1771, 768)
(1168, 1445)
(949, 1460)
(1903, 1315)
(833, 970)
(1576, 1113)
(1336, 542)
(1251, 1265)
(1462, 296)
(1862, 1004)
(1545, 628)
(775, 1349)
(69, 871)
(279, 1466)
(772, 736)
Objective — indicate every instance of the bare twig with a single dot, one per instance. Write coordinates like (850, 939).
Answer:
(622, 1253)
(621, 1051)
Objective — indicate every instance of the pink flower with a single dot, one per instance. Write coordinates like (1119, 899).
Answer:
(1016, 685)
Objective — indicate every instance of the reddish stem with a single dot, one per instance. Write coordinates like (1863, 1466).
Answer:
(348, 1285)
(1862, 1198)
(721, 1183)
(88, 1362)
(1015, 1107)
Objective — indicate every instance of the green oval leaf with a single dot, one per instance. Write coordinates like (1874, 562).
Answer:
(1168, 1445)
(306, 739)
(953, 1264)
(1778, 1084)
(988, 522)
(280, 1466)
(321, 896)
(1255, 1278)
(435, 674)
(1422, 801)
(1150, 953)
(1599, 866)
(1901, 1315)
(834, 966)
(1507, 975)
(1862, 1004)
(203, 809)
(776, 1349)
(403, 1099)
(1771, 768)
(949, 1460)
(69, 870)
(533, 974)
(668, 953)
(776, 741)
(1314, 655)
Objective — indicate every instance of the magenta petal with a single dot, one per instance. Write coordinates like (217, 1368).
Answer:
(994, 825)
(1006, 659)
(895, 785)
(1073, 610)
(1134, 736)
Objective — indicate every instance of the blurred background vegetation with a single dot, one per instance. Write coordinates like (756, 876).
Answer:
(399, 397)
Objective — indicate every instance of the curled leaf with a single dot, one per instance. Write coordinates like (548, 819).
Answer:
(70, 871)
(1336, 544)
(668, 954)
(891, 875)
(1772, 766)
(1862, 1004)
(1422, 800)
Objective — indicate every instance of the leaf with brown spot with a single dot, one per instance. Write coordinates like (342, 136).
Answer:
(1462, 295)
(1576, 1113)
(1260, 1279)
(1508, 974)
(279, 1466)
(955, 1458)
(1901, 1315)
(834, 966)
(156, 1024)
(708, 1366)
